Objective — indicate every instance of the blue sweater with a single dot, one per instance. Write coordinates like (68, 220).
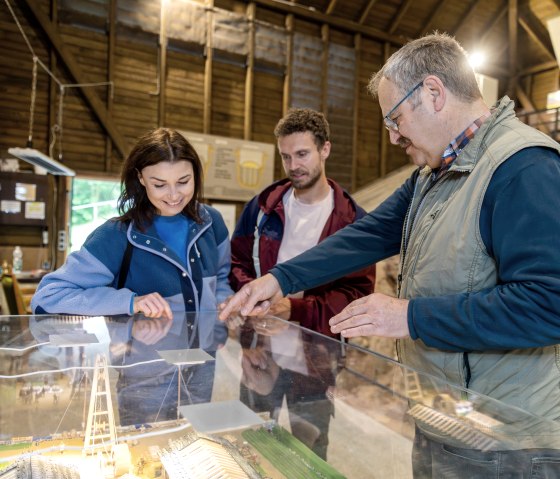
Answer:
(520, 228)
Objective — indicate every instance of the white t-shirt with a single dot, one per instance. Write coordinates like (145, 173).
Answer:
(303, 226)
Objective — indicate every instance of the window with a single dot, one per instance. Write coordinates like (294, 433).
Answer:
(93, 203)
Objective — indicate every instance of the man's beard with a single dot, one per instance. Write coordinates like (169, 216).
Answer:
(305, 182)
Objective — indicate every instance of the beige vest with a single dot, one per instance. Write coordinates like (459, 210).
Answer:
(444, 254)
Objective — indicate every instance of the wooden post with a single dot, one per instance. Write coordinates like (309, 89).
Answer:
(162, 64)
(287, 93)
(325, 69)
(53, 86)
(356, 109)
(512, 37)
(250, 74)
(383, 136)
(207, 114)
(110, 77)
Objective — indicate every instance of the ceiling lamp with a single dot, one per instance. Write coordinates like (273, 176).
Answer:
(41, 161)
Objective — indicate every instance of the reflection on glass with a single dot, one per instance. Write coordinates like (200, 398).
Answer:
(132, 395)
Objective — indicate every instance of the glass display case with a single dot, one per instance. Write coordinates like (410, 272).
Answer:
(192, 397)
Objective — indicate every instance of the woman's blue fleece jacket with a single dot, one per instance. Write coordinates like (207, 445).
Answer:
(86, 284)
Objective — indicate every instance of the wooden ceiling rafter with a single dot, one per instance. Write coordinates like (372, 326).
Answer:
(365, 11)
(330, 8)
(401, 12)
(337, 22)
(100, 111)
(491, 25)
(469, 15)
(541, 67)
(431, 18)
(536, 31)
(513, 36)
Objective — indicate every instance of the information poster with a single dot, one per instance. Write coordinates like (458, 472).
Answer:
(233, 169)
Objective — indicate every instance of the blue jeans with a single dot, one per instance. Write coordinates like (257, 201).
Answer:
(431, 459)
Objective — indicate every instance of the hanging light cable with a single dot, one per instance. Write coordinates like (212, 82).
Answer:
(29, 154)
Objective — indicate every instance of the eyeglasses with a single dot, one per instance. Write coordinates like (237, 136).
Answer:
(390, 124)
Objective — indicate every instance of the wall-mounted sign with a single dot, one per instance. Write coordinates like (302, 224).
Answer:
(233, 169)
(23, 199)
(26, 191)
(11, 207)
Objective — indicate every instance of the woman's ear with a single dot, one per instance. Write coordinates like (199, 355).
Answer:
(140, 179)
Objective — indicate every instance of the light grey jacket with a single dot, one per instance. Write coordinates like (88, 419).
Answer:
(443, 253)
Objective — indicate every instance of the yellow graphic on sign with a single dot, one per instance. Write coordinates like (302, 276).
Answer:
(249, 167)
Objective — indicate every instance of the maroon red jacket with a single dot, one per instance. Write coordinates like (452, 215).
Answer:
(318, 305)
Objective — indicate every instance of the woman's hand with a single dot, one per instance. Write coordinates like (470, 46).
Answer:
(152, 306)
(150, 331)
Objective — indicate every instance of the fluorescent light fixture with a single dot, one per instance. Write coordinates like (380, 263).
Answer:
(36, 158)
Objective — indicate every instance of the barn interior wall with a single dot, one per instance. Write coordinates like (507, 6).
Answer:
(188, 67)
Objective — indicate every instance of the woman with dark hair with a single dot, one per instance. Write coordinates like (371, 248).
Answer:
(167, 252)
(166, 261)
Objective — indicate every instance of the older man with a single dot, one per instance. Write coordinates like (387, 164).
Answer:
(478, 230)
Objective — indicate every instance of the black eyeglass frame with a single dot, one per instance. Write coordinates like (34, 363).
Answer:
(390, 124)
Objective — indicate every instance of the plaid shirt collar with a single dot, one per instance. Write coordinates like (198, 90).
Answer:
(455, 147)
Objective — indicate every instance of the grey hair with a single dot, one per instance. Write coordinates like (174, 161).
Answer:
(437, 54)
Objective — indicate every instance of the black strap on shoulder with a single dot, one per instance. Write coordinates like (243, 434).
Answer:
(125, 265)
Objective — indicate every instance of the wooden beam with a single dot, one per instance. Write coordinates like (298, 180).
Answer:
(325, 33)
(103, 116)
(467, 17)
(541, 67)
(489, 27)
(512, 41)
(53, 86)
(287, 93)
(333, 21)
(365, 12)
(434, 13)
(331, 7)
(53, 228)
(536, 31)
(399, 16)
(356, 111)
(208, 65)
(383, 135)
(250, 74)
(162, 66)
(112, 26)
